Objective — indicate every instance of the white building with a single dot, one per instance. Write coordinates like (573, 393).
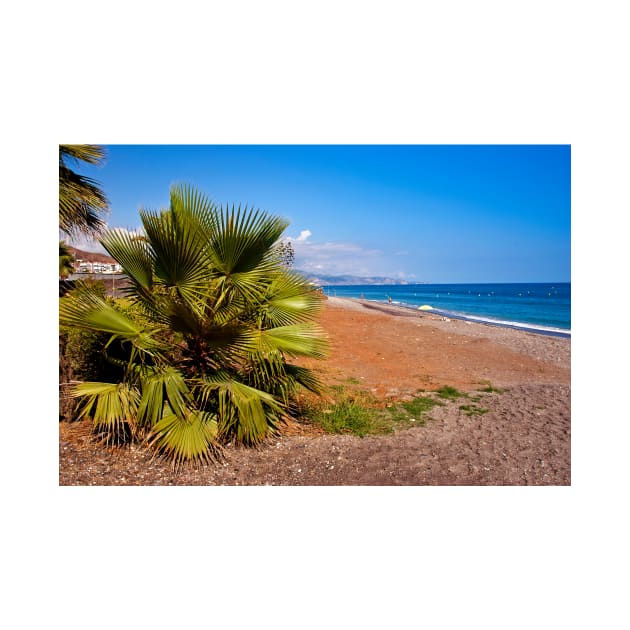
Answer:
(85, 266)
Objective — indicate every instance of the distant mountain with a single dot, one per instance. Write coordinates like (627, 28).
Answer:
(79, 254)
(321, 279)
(348, 279)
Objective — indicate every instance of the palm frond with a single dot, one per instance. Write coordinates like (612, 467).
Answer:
(186, 438)
(181, 317)
(90, 153)
(304, 377)
(244, 240)
(186, 199)
(289, 299)
(179, 254)
(161, 389)
(267, 372)
(81, 200)
(226, 306)
(91, 312)
(177, 427)
(305, 339)
(246, 413)
(230, 343)
(151, 407)
(132, 251)
(176, 390)
(112, 406)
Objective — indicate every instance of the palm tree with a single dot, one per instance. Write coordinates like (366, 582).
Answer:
(81, 201)
(204, 336)
(65, 261)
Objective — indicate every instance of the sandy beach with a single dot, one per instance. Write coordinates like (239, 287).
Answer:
(523, 439)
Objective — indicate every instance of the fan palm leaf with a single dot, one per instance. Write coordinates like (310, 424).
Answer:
(132, 252)
(290, 299)
(304, 377)
(305, 339)
(81, 201)
(112, 406)
(82, 309)
(267, 372)
(241, 252)
(244, 239)
(178, 248)
(188, 201)
(191, 437)
(244, 412)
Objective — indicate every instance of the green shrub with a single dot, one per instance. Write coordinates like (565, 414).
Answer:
(84, 352)
(206, 337)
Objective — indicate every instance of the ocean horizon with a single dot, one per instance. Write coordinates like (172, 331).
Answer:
(543, 307)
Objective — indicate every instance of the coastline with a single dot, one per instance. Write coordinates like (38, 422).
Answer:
(488, 321)
(544, 305)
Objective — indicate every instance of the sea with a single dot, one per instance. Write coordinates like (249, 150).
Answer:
(543, 308)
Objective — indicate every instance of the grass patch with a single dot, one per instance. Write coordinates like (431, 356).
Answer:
(350, 411)
(450, 393)
(346, 417)
(356, 412)
(413, 413)
(419, 406)
(359, 413)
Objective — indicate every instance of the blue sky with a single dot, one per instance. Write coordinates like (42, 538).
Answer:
(416, 212)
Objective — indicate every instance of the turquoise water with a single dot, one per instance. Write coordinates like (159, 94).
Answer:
(542, 307)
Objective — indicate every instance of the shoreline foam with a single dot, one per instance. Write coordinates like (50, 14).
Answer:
(534, 328)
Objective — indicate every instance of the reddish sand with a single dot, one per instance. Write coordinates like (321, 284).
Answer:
(396, 351)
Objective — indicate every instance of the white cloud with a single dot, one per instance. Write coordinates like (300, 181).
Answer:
(344, 258)
(335, 257)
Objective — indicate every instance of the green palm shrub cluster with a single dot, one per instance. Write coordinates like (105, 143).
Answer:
(205, 333)
(66, 259)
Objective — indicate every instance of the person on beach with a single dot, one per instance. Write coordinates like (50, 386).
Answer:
(389, 299)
